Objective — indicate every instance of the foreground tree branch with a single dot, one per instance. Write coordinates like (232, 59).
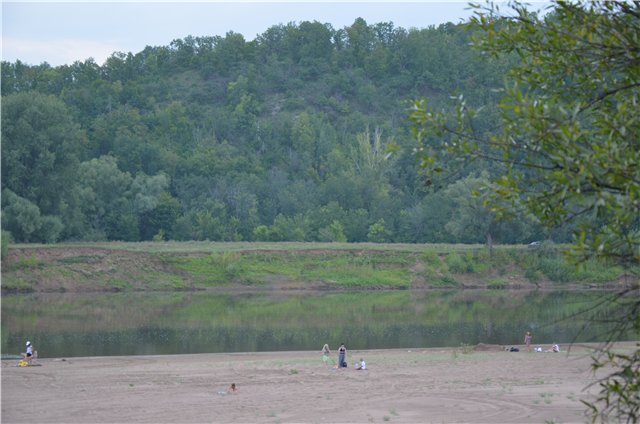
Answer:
(569, 143)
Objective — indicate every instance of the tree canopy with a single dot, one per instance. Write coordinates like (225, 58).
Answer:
(281, 138)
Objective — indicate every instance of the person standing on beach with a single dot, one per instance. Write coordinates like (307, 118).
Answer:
(342, 353)
(326, 352)
(527, 340)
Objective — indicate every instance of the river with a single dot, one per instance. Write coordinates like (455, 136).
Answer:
(149, 323)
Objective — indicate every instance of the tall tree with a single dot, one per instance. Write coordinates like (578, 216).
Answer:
(22, 219)
(41, 149)
(473, 220)
(107, 199)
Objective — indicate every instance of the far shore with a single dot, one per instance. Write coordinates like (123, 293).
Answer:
(485, 384)
(100, 267)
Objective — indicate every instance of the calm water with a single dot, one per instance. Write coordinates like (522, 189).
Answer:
(64, 325)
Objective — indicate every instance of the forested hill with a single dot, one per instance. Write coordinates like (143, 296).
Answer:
(217, 138)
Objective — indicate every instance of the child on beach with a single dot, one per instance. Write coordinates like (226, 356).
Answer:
(232, 390)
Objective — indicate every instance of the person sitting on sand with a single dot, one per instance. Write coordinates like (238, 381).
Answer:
(554, 348)
(361, 365)
(232, 390)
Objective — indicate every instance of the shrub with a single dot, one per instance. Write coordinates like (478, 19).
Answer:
(469, 259)
(547, 249)
(228, 263)
(533, 275)
(448, 280)
(497, 284)
(431, 258)
(556, 269)
(455, 263)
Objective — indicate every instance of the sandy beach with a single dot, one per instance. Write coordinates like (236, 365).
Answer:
(481, 384)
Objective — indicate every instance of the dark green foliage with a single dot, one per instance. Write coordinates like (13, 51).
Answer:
(219, 138)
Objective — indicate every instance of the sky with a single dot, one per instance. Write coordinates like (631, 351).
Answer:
(64, 32)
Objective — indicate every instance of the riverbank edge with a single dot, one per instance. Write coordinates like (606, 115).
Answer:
(468, 351)
(191, 266)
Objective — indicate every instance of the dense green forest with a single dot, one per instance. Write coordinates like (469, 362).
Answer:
(286, 137)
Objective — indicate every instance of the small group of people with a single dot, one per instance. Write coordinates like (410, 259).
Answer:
(342, 355)
(527, 342)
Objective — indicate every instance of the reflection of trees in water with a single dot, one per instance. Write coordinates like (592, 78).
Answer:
(152, 323)
(86, 312)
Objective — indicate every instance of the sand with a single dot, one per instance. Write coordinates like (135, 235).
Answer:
(483, 385)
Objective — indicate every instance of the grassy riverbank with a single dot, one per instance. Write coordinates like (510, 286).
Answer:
(82, 267)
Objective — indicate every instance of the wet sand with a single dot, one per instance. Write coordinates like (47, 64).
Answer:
(483, 385)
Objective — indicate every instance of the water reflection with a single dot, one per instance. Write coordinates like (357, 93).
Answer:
(63, 325)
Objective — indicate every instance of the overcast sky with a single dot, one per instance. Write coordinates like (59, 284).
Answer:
(63, 32)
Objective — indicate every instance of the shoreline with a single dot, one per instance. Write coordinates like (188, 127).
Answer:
(485, 384)
(96, 267)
